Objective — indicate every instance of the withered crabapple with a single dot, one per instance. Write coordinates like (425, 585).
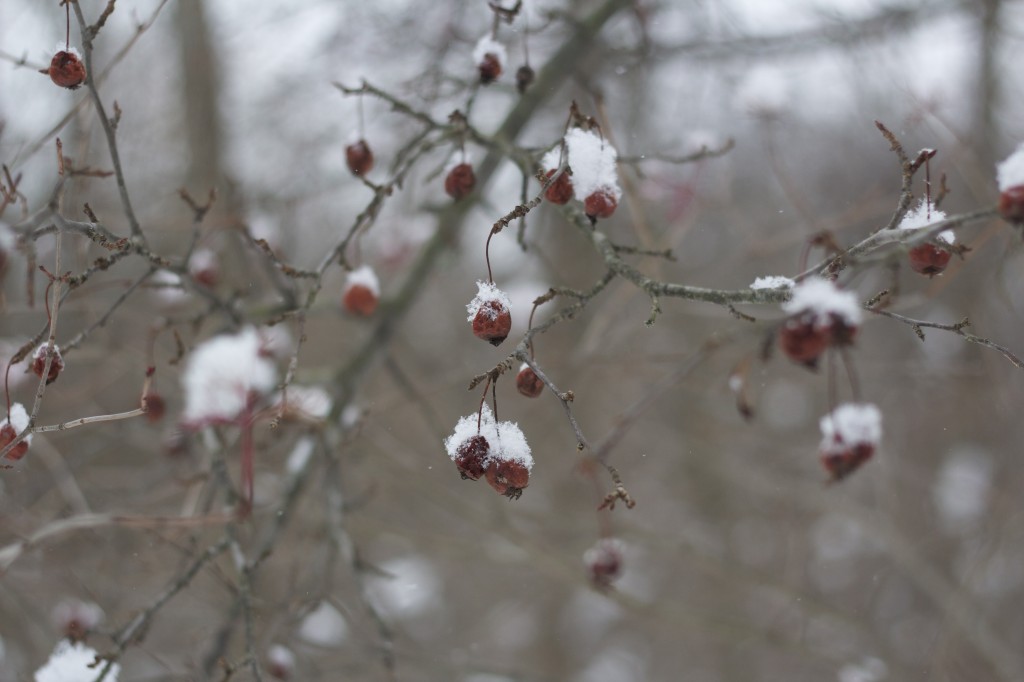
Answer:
(820, 315)
(528, 383)
(204, 266)
(594, 175)
(928, 258)
(489, 313)
(362, 291)
(490, 57)
(560, 191)
(524, 78)
(39, 363)
(480, 446)
(604, 562)
(1010, 176)
(15, 422)
(359, 157)
(66, 68)
(460, 181)
(850, 435)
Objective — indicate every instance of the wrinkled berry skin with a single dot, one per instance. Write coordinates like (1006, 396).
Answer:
(528, 383)
(490, 68)
(841, 464)
(599, 204)
(492, 323)
(508, 478)
(471, 457)
(524, 78)
(359, 158)
(928, 259)
(7, 436)
(560, 191)
(802, 340)
(1011, 204)
(460, 181)
(359, 300)
(66, 70)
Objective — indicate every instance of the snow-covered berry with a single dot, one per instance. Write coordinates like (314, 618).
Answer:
(604, 562)
(508, 470)
(821, 315)
(479, 446)
(508, 478)
(471, 457)
(524, 78)
(594, 175)
(75, 618)
(489, 313)
(849, 437)
(66, 68)
(1010, 175)
(280, 662)
(359, 157)
(929, 258)
(39, 363)
(561, 190)
(362, 291)
(469, 446)
(7, 244)
(15, 422)
(528, 383)
(204, 266)
(460, 181)
(490, 57)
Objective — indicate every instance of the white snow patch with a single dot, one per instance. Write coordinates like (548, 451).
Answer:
(313, 401)
(512, 446)
(868, 670)
(1010, 173)
(223, 374)
(772, 282)
(592, 160)
(281, 657)
(70, 49)
(487, 292)
(488, 45)
(18, 419)
(505, 439)
(325, 626)
(202, 260)
(70, 663)
(849, 425)
(552, 160)
(963, 487)
(167, 288)
(825, 299)
(408, 587)
(924, 215)
(363, 276)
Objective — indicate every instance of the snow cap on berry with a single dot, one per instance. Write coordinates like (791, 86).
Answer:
(488, 45)
(487, 292)
(61, 46)
(850, 425)
(604, 561)
(466, 428)
(1010, 173)
(280, 662)
(72, 663)
(592, 160)
(552, 160)
(363, 276)
(18, 420)
(223, 374)
(75, 618)
(923, 216)
(511, 446)
(824, 299)
(772, 282)
(39, 362)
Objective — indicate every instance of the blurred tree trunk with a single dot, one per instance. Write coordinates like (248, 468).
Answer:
(200, 86)
(986, 125)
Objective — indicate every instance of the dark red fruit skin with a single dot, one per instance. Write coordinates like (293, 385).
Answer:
(460, 181)
(560, 191)
(605, 565)
(1011, 204)
(842, 464)
(802, 340)
(359, 300)
(599, 204)
(359, 158)
(490, 68)
(528, 383)
(66, 70)
(39, 364)
(928, 259)
(471, 457)
(508, 478)
(492, 323)
(7, 436)
(524, 78)
(155, 407)
(208, 277)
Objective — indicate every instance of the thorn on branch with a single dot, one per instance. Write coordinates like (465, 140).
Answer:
(740, 315)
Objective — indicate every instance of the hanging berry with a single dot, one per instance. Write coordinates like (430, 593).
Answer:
(470, 445)
(66, 68)
(508, 471)
(594, 175)
(561, 190)
(489, 56)
(359, 157)
(524, 78)
(460, 181)
(528, 383)
(15, 422)
(362, 291)
(850, 435)
(489, 313)
(1010, 175)
(156, 407)
(604, 562)
(820, 315)
(204, 266)
(929, 258)
(39, 363)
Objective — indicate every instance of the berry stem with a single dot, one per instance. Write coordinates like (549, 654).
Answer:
(529, 325)
(851, 374)
(7, 389)
(67, 33)
(928, 189)
(359, 108)
(830, 360)
(480, 410)
(487, 256)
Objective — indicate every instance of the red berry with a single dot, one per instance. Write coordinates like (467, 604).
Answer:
(204, 267)
(600, 204)
(928, 259)
(492, 322)
(508, 477)
(471, 457)
(359, 299)
(528, 383)
(76, 618)
(280, 662)
(7, 436)
(359, 157)
(460, 181)
(490, 68)
(560, 191)
(604, 562)
(524, 78)
(803, 340)
(843, 463)
(155, 407)
(39, 363)
(1011, 204)
(66, 70)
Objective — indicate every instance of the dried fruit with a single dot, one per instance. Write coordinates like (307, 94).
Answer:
(460, 181)
(481, 447)
(604, 562)
(803, 340)
(600, 204)
(850, 435)
(66, 69)
(359, 157)
(821, 315)
(560, 191)
(508, 477)
(16, 422)
(471, 457)
(39, 363)
(490, 68)
(528, 383)
(489, 56)
(524, 78)
(928, 259)
(489, 313)
(594, 173)
(362, 291)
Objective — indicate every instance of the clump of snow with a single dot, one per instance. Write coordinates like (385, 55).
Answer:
(871, 669)
(75, 614)
(70, 663)
(512, 446)
(963, 487)
(487, 292)
(849, 425)
(506, 440)
(18, 419)
(325, 626)
(552, 160)
(223, 375)
(772, 282)
(202, 260)
(407, 587)
(923, 216)
(312, 401)
(466, 428)
(824, 299)
(592, 160)
(488, 45)
(1010, 173)
(167, 287)
(280, 659)
(277, 341)
(363, 276)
